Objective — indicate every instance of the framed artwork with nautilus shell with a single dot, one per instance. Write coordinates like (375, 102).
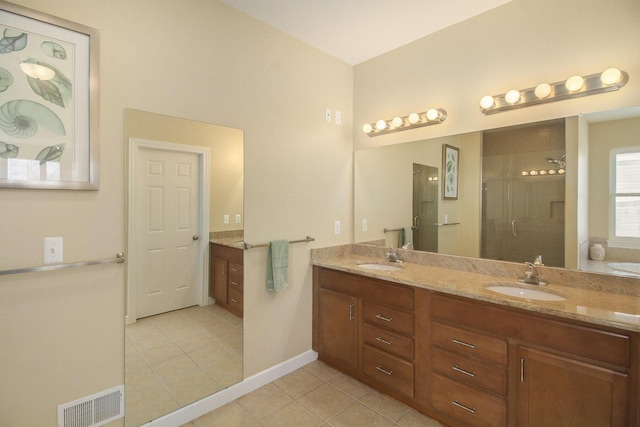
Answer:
(450, 163)
(48, 101)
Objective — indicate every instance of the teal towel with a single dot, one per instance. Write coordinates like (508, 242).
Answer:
(278, 266)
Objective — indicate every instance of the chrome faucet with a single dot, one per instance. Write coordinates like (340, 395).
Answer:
(532, 275)
(393, 256)
(407, 245)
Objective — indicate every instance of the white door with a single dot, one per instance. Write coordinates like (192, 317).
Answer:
(166, 230)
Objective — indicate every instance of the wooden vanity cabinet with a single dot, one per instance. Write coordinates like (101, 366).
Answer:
(226, 277)
(556, 390)
(470, 363)
(367, 328)
(560, 372)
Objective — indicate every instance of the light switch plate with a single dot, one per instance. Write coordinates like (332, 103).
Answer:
(53, 250)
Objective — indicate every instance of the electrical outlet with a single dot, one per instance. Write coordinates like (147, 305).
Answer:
(225, 219)
(338, 117)
(52, 250)
(365, 225)
(336, 227)
(237, 218)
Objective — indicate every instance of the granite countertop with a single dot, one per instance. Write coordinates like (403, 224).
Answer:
(232, 242)
(587, 305)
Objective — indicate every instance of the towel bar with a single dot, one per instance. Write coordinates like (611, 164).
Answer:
(246, 245)
(387, 230)
(119, 259)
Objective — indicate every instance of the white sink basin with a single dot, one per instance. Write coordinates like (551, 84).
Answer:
(380, 267)
(514, 290)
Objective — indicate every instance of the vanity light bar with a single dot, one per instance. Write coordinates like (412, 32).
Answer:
(433, 116)
(574, 87)
(544, 172)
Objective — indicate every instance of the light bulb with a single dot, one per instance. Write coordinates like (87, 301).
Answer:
(367, 128)
(543, 172)
(414, 118)
(37, 71)
(432, 114)
(574, 83)
(525, 173)
(552, 171)
(611, 76)
(561, 171)
(397, 122)
(487, 102)
(512, 96)
(381, 125)
(543, 90)
(533, 173)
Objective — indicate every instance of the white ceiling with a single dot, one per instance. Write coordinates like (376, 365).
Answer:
(357, 30)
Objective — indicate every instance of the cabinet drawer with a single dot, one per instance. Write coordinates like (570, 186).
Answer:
(469, 371)
(388, 369)
(461, 341)
(388, 341)
(235, 300)
(236, 283)
(236, 270)
(374, 290)
(587, 341)
(232, 254)
(466, 404)
(387, 318)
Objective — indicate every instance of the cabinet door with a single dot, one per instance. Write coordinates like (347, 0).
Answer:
(220, 274)
(338, 332)
(557, 391)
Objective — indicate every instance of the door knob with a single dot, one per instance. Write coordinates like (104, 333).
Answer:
(195, 237)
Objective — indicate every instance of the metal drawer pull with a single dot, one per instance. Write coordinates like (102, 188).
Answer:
(386, 319)
(234, 300)
(379, 368)
(462, 371)
(521, 370)
(466, 408)
(234, 283)
(466, 344)
(351, 306)
(235, 270)
(384, 341)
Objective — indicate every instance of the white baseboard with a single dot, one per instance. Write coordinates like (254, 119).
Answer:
(197, 409)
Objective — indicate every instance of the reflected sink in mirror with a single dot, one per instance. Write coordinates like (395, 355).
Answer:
(524, 292)
(380, 267)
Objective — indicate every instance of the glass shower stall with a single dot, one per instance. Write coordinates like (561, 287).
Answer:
(523, 193)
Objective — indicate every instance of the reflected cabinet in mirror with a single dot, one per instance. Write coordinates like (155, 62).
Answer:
(523, 191)
(181, 345)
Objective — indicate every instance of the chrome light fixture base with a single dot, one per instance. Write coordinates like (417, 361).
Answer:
(433, 116)
(574, 87)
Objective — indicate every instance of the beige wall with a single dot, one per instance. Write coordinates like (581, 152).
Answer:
(62, 333)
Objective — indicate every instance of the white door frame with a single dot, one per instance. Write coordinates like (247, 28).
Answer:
(204, 154)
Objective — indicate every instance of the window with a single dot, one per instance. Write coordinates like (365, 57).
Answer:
(625, 198)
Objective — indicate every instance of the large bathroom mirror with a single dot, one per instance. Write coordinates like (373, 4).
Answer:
(522, 191)
(181, 348)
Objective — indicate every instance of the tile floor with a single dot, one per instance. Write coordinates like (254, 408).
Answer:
(179, 357)
(315, 395)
